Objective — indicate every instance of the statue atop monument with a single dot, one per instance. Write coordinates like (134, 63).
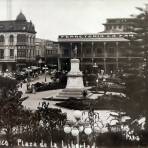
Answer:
(75, 52)
(75, 85)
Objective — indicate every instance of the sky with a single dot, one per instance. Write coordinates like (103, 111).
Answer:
(59, 17)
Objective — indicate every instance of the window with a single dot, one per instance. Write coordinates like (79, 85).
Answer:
(66, 52)
(11, 39)
(21, 53)
(114, 27)
(99, 51)
(11, 53)
(1, 53)
(2, 27)
(108, 27)
(37, 52)
(51, 52)
(21, 38)
(2, 40)
(111, 51)
(120, 26)
(88, 51)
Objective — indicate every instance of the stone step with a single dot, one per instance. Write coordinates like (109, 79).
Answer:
(60, 98)
(66, 97)
(71, 93)
(72, 90)
(67, 93)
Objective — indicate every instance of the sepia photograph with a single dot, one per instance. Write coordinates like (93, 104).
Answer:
(73, 73)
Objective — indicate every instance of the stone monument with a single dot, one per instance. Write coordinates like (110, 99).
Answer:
(75, 85)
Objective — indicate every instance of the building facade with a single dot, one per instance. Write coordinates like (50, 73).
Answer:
(47, 52)
(17, 43)
(110, 50)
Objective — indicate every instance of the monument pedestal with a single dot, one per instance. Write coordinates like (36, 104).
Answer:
(75, 85)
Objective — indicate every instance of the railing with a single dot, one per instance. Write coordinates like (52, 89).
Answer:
(52, 55)
(14, 58)
(7, 58)
(24, 57)
(24, 43)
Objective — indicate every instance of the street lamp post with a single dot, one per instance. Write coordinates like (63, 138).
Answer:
(88, 126)
(95, 66)
(93, 121)
(97, 84)
(40, 62)
(28, 78)
(75, 128)
(28, 73)
(105, 85)
(45, 73)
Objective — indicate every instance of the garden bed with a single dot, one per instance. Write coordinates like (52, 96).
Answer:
(105, 102)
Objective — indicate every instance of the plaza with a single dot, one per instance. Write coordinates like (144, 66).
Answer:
(100, 121)
(82, 90)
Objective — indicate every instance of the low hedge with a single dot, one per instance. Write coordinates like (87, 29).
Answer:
(107, 102)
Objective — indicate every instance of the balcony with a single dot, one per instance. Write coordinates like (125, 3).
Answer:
(52, 55)
(7, 59)
(111, 55)
(100, 55)
(22, 43)
(25, 58)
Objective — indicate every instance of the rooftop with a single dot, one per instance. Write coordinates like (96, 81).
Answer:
(18, 25)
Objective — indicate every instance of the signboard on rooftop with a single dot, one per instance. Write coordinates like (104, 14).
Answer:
(101, 35)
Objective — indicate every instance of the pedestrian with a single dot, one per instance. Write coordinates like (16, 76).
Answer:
(28, 85)
(36, 74)
(21, 84)
(33, 89)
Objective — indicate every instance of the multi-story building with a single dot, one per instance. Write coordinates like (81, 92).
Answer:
(17, 43)
(47, 52)
(40, 50)
(110, 49)
(119, 24)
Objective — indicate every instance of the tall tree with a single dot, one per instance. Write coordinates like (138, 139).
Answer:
(137, 86)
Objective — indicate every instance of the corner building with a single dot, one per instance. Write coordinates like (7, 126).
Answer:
(110, 50)
(17, 43)
(47, 53)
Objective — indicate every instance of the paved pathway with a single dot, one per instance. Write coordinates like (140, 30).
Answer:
(34, 99)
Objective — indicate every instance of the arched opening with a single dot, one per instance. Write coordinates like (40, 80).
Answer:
(2, 40)
(11, 39)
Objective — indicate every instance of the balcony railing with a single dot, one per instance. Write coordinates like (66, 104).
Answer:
(52, 55)
(111, 55)
(24, 43)
(8, 58)
(24, 57)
